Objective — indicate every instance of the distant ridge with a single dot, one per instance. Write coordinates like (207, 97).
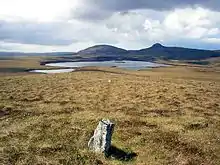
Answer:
(109, 52)
(156, 51)
(35, 54)
(177, 53)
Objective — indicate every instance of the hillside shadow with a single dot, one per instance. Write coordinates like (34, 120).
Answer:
(119, 154)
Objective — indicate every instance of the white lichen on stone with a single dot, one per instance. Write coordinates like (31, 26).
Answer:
(101, 140)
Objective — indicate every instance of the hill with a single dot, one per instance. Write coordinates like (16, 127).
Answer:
(103, 50)
(177, 53)
(108, 52)
(157, 51)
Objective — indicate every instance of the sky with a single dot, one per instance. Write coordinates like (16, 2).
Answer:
(72, 25)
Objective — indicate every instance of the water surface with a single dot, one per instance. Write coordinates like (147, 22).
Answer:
(133, 65)
(53, 71)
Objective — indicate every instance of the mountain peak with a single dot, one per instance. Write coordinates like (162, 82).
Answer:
(103, 49)
(157, 45)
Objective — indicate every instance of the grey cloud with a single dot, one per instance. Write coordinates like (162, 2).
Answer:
(124, 5)
(190, 43)
(55, 33)
(90, 13)
(32, 33)
(100, 9)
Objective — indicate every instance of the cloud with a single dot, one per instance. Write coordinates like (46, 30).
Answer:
(212, 40)
(38, 10)
(188, 23)
(155, 5)
(18, 47)
(99, 9)
(71, 25)
(34, 33)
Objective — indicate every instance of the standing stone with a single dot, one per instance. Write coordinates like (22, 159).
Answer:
(101, 140)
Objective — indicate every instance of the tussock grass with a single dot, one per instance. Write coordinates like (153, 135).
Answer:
(164, 115)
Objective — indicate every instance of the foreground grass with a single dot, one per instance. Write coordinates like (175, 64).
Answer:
(165, 116)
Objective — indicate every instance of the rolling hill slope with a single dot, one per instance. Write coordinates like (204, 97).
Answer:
(103, 50)
(157, 51)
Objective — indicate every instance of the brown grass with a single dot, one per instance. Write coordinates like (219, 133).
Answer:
(19, 65)
(164, 115)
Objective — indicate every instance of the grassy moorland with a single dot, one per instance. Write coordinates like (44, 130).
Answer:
(19, 65)
(164, 116)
